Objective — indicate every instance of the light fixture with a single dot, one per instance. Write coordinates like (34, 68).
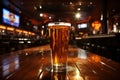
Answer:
(50, 17)
(71, 3)
(40, 7)
(80, 3)
(77, 15)
(41, 14)
(43, 26)
(91, 3)
(78, 9)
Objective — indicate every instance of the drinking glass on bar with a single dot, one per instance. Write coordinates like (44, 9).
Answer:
(59, 36)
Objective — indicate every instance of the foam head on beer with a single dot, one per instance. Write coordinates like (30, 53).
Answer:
(59, 24)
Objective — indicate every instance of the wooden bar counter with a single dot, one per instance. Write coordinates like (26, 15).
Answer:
(34, 63)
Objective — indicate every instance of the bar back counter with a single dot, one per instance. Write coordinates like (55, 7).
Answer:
(104, 45)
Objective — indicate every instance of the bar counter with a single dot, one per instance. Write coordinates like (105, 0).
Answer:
(34, 64)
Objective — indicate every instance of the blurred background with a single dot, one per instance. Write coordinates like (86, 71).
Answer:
(95, 24)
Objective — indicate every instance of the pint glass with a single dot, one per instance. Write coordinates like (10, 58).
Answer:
(59, 36)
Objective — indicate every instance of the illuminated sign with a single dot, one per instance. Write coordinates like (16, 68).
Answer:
(96, 25)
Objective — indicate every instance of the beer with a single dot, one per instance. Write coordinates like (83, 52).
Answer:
(59, 46)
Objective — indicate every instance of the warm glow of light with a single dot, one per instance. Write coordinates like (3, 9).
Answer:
(21, 42)
(96, 25)
(29, 33)
(78, 9)
(96, 58)
(10, 28)
(91, 3)
(71, 3)
(40, 7)
(25, 32)
(56, 77)
(40, 71)
(41, 14)
(115, 28)
(17, 30)
(33, 33)
(42, 32)
(26, 54)
(43, 26)
(77, 15)
(81, 33)
(56, 61)
(78, 75)
(80, 3)
(50, 17)
(2, 27)
(29, 42)
(25, 39)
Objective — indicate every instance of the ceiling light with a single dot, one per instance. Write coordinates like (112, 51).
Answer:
(77, 15)
(40, 7)
(41, 14)
(43, 26)
(71, 3)
(91, 3)
(80, 3)
(50, 17)
(78, 9)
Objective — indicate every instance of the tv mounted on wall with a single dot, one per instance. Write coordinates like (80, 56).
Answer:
(10, 18)
(82, 26)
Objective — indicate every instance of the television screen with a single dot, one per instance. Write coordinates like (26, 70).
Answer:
(81, 26)
(10, 18)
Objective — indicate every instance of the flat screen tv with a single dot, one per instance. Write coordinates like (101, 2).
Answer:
(10, 18)
(82, 26)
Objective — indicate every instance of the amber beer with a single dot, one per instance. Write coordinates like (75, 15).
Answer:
(59, 45)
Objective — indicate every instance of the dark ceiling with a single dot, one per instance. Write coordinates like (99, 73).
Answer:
(56, 9)
(63, 10)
